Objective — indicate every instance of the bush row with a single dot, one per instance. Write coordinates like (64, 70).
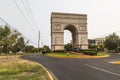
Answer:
(58, 51)
(89, 52)
(86, 51)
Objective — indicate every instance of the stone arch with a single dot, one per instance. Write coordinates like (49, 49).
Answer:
(75, 23)
(71, 28)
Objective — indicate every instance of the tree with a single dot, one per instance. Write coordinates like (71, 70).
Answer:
(20, 44)
(100, 47)
(1, 36)
(68, 47)
(45, 49)
(92, 46)
(112, 41)
(15, 49)
(29, 48)
(8, 38)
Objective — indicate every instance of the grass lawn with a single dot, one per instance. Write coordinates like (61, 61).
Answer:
(64, 55)
(15, 68)
(102, 53)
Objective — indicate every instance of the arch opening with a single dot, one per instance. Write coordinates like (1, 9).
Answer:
(71, 35)
(67, 37)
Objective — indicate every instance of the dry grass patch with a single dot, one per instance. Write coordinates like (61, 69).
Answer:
(16, 68)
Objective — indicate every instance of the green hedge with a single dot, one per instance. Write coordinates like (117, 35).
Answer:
(90, 52)
(45, 51)
(82, 50)
(58, 51)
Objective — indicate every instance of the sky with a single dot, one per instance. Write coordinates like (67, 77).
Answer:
(103, 17)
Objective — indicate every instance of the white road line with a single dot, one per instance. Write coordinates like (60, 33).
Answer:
(100, 69)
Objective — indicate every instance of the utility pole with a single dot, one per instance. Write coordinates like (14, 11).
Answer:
(38, 41)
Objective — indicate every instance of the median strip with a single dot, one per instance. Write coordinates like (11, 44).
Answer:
(115, 62)
(64, 55)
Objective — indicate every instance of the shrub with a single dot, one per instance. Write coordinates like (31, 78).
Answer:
(82, 50)
(90, 52)
(92, 46)
(76, 49)
(68, 47)
(58, 51)
(46, 49)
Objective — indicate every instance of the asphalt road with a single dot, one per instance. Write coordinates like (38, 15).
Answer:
(80, 69)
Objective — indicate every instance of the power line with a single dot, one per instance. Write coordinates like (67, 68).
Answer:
(32, 13)
(5, 23)
(30, 40)
(27, 11)
(23, 14)
(31, 16)
(33, 20)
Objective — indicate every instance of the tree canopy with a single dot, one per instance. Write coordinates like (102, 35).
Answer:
(12, 40)
(112, 41)
(68, 47)
(8, 38)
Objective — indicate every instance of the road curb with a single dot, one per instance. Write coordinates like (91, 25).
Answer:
(115, 62)
(84, 57)
(50, 74)
(53, 76)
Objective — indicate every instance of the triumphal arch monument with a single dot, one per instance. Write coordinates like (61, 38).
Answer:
(75, 23)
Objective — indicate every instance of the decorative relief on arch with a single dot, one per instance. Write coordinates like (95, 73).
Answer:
(82, 28)
(57, 40)
(57, 27)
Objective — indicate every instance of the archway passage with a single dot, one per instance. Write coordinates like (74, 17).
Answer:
(68, 40)
(74, 35)
(67, 37)
(75, 23)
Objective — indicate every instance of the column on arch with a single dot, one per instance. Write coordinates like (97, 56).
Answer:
(83, 40)
(57, 41)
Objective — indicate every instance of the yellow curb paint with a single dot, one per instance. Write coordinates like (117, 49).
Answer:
(50, 75)
(80, 56)
(115, 62)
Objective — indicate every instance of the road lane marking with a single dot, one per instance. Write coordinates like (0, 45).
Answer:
(100, 69)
